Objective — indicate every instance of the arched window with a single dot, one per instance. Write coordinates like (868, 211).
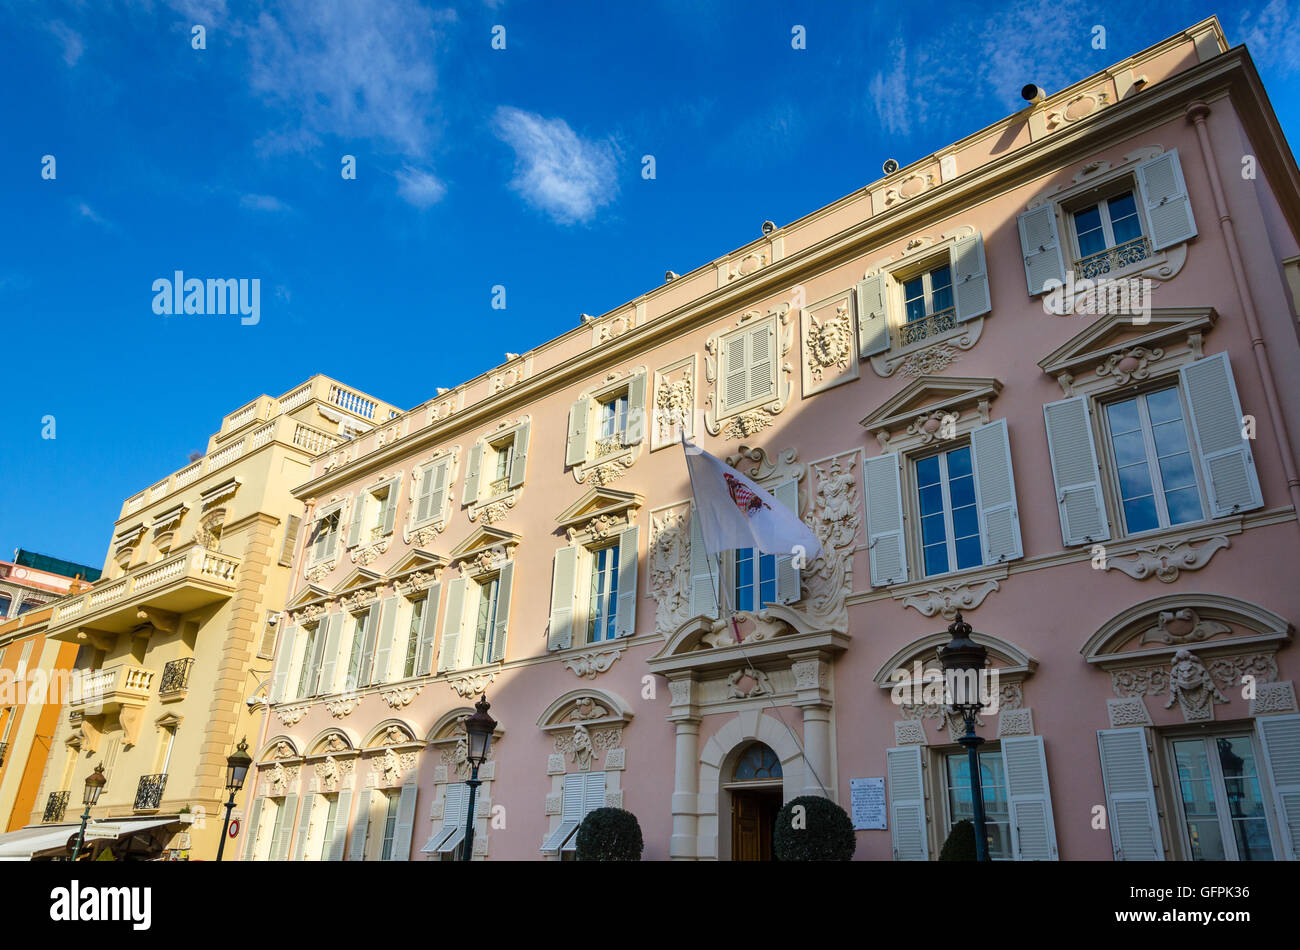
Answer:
(757, 763)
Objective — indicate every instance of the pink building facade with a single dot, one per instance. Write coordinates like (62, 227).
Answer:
(1108, 496)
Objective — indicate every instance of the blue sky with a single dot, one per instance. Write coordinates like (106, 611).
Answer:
(475, 167)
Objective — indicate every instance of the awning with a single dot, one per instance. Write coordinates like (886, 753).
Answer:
(22, 844)
(121, 827)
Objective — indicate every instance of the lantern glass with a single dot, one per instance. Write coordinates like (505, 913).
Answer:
(95, 783)
(237, 764)
(478, 732)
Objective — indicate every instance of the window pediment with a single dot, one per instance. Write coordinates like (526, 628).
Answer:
(485, 550)
(359, 579)
(1012, 663)
(599, 512)
(308, 598)
(586, 707)
(417, 569)
(921, 405)
(331, 742)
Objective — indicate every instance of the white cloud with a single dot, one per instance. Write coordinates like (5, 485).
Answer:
(1271, 37)
(87, 212)
(263, 203)
(557, 171)
(419, 187)
(889, 93)
(73, 44)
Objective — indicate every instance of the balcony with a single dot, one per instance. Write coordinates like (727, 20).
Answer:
(152, 593)
(55, 806)
(175, 678)
(1113, 259)
(915, 331)
(96, 692)
(148, 794)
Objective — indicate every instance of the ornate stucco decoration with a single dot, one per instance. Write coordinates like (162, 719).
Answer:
(748, 683)
(492, 509)
(343, 707)
(484, 552)
(277, 778)
(1077, 108)
(584, 724)
(209, 532)
(514, 371)
(590, 663)
(283, 750)
(1192, 686)
(455, 757)
(836, 519)
(1131, 711)
(1182, 674)
(1165, 560)
(399, 696)
(746, 420)
(330, 772)
(599, 515)
(829, 343)
(948, 598)
(604, 329)
(364, 554)
(932, 408)
(585, 745)
(1273, 698)
(445, 404)
(932, 359)
(359, 599)
(1182, 626)
(472, 684)
(387, 768)
(673, 403)
(909, 186)
(291, 715)
(1133, 364)
(667, 557)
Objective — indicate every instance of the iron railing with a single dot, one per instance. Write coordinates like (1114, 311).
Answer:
(929, 326)
(610, 445)
(176, 676)
(55, 806)
(4, 748)
(148, 795)
(499, 486)
(1113, 258)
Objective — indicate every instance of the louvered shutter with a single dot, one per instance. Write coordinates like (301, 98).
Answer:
(304, 827)
(1075, 472)
(505, 580)
(390, 507)
(292, 527)
(787, 575)
(384, 652)
(573, 801)
(735, 379)
(873, 317)
(405, 823)
(594, 796)
(564, 582)
(519, 463)
(331, 538)
(885, 541)
(1225, 456)
(636, 410)
(283, 656)
(906, 803)
(1033, 828)
(762, 362)
(312, 655)
(970, 279)
(339, 833)
(469, 493)
(1280, 737)
(1040, 245)
(366, 667)
(330, 654)
(424, 496)
(358, 511)
(427, 635)
(995, 492)
(361, 829)
(1164, 196)
(1130, 797)
(280, 847)
(575, 450)
(439, 489)
(448, 655)
(704, 593)
(254, 821)
(625, 612)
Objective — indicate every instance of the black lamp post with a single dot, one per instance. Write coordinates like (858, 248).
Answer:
(478, 730)
(95, 783)
(237, 764)
(963, 663)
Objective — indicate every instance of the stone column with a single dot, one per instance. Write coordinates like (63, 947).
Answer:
(686, 782)
(812, 696)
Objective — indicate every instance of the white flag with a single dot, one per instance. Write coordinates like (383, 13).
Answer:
(735, 512)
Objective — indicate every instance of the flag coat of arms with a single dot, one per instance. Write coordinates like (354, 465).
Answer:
(735, 512)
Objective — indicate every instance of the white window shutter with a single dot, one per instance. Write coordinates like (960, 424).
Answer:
(1075, 472)
(575, 451)
(384, 652)
(472, 468)
(885, 541)
(625, 612)
(1164, 197)
(339, 837)
(787, 575)
(995, 493)
(290, 543)
(358, 509)
(704, 600)
(439, 490)
(1130, 797)
(427, 635)
(505, 581)
(390, 507)
(1280, 737)
(362, 827)
(564, 585)
(762, 361)
(448, 655)
(331, 539)
(970, 279)
(735, 371)
(280, 847)
(1033, 828)
(1226, 459)
(283, 657)
(594, 796)
(254, 819)
(405, 823)
(424, 497)
(636, 410)
(873, 317)
(907, 803)
(520, 462)
(1040, 245)
(304, 825)
(329, 654)
(366, 668)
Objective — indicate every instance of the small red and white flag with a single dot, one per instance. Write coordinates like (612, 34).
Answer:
(734, 512)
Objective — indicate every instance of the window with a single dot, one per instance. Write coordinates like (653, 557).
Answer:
(450, 835)
(993, 783)
(374, 511)
(331, 817)
(379, 501)
(927, 305)
(1220, 800)
(476, 624)
(431, 502)
(750, 592)
(583, 793)
(613, 419)
(361, 654)
(503, 456)
(325, 537)
(485, 628)
(603, 607)
(1107, 224)
(390, 828)
(413, 639)
(747, 368)
(593, 592)
(278, 843)
(607, 422)
(496, 465)
(5, 602)
(950, 529)
(757, 763)
(1155, 473)
(309, 669)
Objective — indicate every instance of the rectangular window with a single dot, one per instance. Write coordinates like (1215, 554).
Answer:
(327, 837)
(603, 605)
(745, 586)
(503, 457)
(950, 529)
(307, 672)
(413, 639)
(613, 417)
(1107, 224)
(277, 829)
(390, 828)
(356, 655)
(993, 784)
(1153, 461)
(485, 628)
(928, 294)
(748, 365)
(1220, 798)
(325, 537)
(378, 502)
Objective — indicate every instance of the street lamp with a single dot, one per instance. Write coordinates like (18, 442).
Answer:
(237, 764)
(478, 732)
(95, 783)
(963, 663)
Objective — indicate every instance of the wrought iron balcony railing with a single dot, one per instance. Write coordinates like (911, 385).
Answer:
(4, 748)
(176, 676)
(498, 486)
(55, 806)
(148, 795)
(610, 445)
(1112, 259)
(932, 325)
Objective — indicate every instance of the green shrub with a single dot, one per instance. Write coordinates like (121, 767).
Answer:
(822, 831)
(960, 845)
(610, 834)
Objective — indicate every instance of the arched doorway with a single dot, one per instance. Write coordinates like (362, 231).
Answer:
(755, 792)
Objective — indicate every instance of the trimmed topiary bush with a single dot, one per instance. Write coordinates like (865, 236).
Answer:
(609, 834)
(821, 831)
(960, 845)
